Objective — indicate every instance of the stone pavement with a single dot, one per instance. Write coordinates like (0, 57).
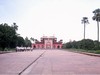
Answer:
(57, 62)
(52, 62)
(14, 63)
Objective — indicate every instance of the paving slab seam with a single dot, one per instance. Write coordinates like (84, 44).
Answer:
(31, 64)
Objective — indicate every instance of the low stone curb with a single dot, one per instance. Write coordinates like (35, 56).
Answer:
(86, 53)
(90, 54)
(3, 52)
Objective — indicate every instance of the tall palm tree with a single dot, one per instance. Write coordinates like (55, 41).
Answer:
(85, 21)
(96, 17)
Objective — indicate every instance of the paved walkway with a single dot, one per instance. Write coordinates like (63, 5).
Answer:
(52, 62)
(14, 63)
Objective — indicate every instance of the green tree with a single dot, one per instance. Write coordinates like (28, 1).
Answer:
(96, 17)
(74, 44)
(32, 39)
(69, 45)
(27, 42)
(7, 36)
(20, 41)
(96, 45)
(36, 40)
(14, 26)
(85, 21)
(87, 44)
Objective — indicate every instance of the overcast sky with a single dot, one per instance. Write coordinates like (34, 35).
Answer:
(61, 18)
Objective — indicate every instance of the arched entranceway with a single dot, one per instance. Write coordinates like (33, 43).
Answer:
(34, 46)
(58, 46)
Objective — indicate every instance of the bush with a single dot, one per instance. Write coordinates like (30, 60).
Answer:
(86, 44)
(97, 45)
(1, 49)
(69, 45)
(97, 52)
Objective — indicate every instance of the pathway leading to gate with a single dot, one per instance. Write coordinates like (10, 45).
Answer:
(48, 62)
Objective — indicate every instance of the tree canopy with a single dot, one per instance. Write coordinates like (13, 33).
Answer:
(9, 37)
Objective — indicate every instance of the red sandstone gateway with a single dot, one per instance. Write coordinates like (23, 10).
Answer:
(47, 43)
